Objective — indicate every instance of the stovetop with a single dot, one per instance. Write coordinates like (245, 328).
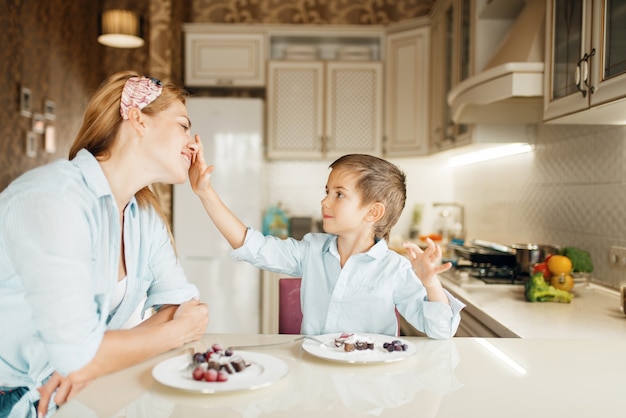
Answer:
(492, 274)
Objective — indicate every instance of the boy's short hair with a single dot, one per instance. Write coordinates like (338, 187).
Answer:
(378, 181)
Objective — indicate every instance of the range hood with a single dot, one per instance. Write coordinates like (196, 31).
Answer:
(509, 89)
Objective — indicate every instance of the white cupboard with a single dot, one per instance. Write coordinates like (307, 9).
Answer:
(323, 109)
(451, 63)
(585, 72)
(216, 58)
(407, 92)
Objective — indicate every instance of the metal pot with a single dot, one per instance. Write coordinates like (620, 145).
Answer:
(527, 255)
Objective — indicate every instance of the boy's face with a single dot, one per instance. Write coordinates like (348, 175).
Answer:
(342, 212)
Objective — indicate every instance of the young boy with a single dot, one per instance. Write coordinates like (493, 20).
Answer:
(351, 281)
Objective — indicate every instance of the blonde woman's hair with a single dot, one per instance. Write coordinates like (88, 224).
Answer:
(102, 121)
(378, 181)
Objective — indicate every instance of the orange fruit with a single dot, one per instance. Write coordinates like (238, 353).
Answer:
(563, 282)
(559, 264)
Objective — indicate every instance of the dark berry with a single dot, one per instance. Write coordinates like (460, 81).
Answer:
(198, 358)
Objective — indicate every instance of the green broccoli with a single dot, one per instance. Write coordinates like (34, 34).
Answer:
(537, 290)
(581, 260)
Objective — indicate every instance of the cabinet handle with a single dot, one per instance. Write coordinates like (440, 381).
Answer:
(582, 74)
(225, 82)
(587, 79)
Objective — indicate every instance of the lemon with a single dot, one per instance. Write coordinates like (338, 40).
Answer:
(559, 264)
(563, 282)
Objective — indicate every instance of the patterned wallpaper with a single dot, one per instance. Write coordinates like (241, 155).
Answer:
(43, 53)
(362, 12)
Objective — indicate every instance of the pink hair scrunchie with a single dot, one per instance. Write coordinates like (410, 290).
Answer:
(139, 92)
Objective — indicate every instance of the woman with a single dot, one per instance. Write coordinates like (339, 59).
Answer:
(83, 242)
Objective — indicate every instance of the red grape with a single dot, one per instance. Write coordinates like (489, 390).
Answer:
(198, 373)
(211, 375)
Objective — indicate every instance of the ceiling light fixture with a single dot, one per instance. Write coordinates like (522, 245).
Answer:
(120, 29)
(490, 154)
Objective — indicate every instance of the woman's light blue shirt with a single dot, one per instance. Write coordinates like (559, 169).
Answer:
(361, 296)
(59, 262)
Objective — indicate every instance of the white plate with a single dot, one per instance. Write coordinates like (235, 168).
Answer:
(379, 354)
(262, 371)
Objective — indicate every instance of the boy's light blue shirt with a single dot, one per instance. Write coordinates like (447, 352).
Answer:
(361, 296)
(59, 260)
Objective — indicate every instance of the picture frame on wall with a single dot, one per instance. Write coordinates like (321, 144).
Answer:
(31, 144)
(49, 112)
(50, 142)
(26, 105)
(39, 125)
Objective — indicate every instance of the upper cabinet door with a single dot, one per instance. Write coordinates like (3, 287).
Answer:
(610, 59)
(568, 39)
(407, 93)
(295, 109)
(585, 72)
(354, 100)
(451, 62)
(224, 59)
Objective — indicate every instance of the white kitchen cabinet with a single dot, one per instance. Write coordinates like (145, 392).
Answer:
(323, 109)
(407, 92)
(451, 63)
(585, 72)
(216, 57)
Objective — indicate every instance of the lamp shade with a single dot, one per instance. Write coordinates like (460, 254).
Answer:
(120, 29)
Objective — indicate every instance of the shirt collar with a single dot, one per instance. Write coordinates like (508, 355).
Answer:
(377, 251)
(94, 176)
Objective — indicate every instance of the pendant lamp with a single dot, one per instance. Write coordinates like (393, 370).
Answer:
(120, 29)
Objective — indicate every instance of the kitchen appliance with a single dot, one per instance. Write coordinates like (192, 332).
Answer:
(231, 130)
(500, 264)
(493, 264)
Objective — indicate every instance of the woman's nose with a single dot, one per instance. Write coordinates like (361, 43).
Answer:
(193, 147)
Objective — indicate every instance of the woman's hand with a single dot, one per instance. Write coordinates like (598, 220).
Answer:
(199, 173)
(195, 317)
(426, 263)
(65, 390)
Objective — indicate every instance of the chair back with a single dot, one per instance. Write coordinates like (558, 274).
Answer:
(289, 309)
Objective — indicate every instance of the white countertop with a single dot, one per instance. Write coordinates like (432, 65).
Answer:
(459, 377)
(593, 313)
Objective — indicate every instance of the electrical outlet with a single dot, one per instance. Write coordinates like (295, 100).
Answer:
(617, 257)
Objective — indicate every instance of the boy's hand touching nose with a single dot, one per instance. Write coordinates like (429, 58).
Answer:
(199, 173)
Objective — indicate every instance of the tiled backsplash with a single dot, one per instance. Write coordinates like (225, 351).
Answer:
(571, 190)
(568, 191)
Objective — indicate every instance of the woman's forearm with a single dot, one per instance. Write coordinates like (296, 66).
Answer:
(170, 328)
(166, 313)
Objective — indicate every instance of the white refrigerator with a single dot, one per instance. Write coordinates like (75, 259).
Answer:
(231, 130)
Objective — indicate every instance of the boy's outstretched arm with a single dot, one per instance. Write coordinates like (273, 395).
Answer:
(200, 179)
(427, 264)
